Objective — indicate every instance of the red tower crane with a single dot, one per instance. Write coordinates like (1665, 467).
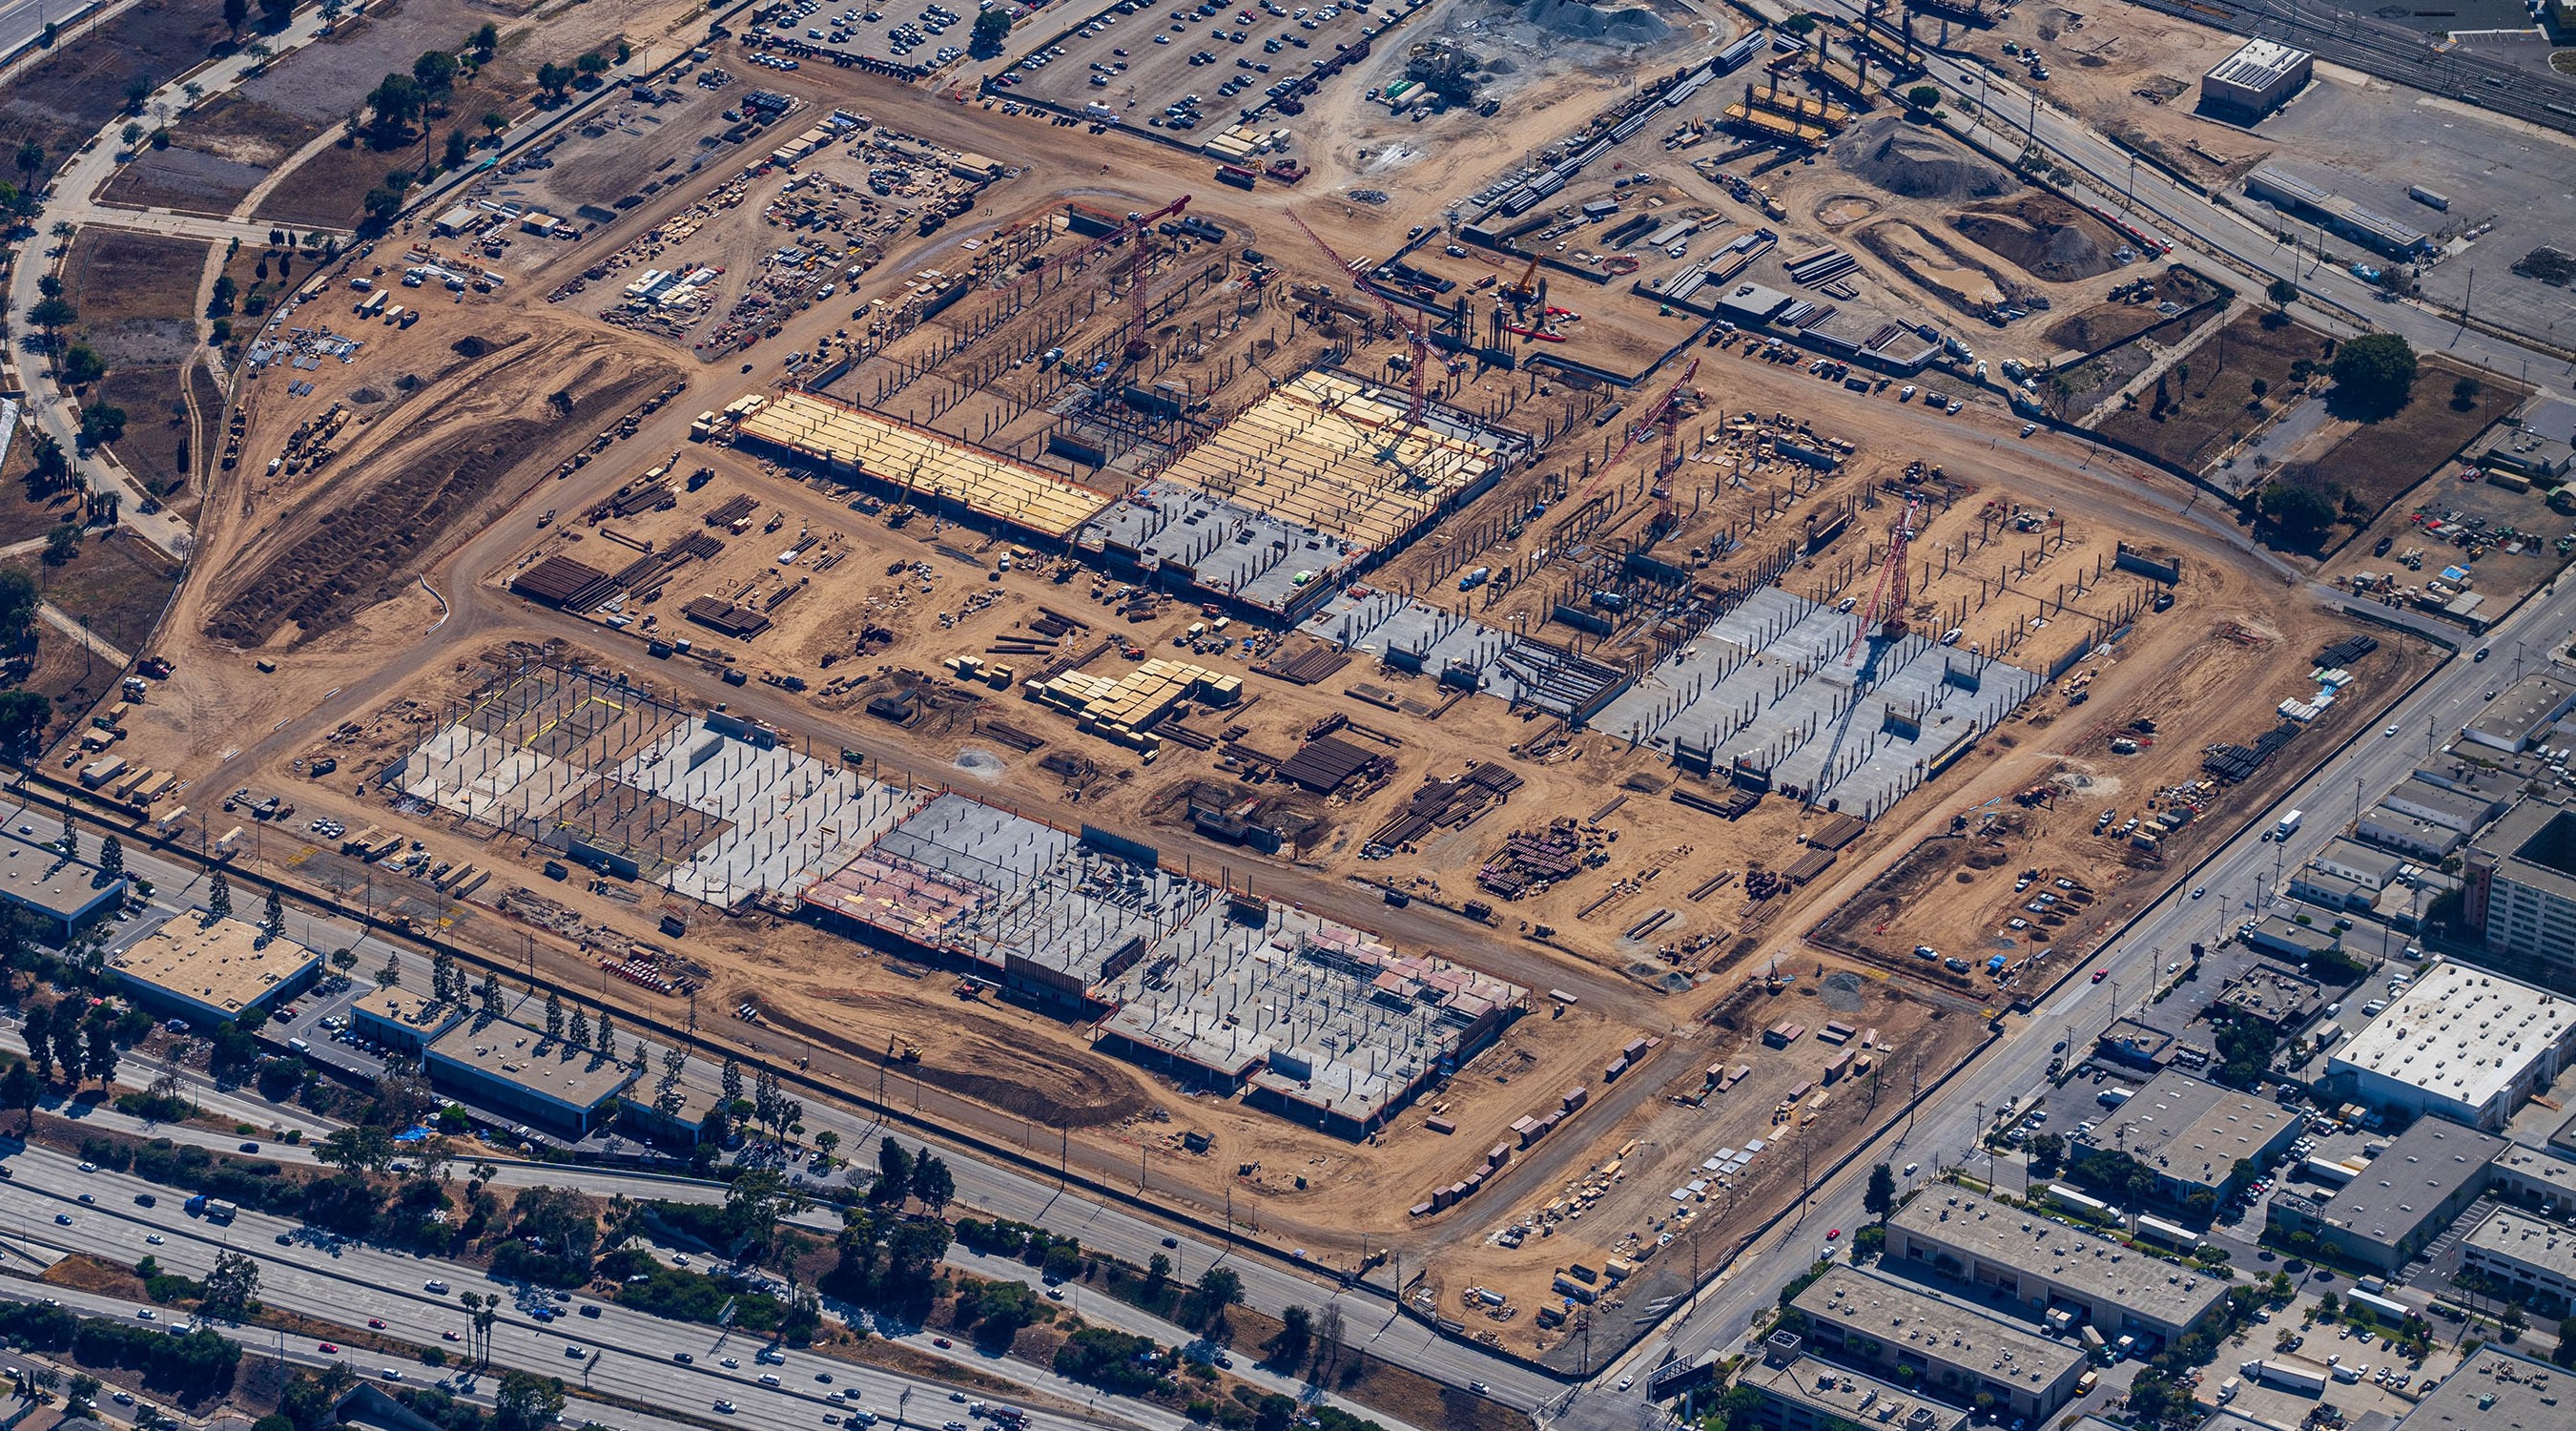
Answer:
(1887, 601)
(1417, 339)
(1664, 417)
(1138, 234)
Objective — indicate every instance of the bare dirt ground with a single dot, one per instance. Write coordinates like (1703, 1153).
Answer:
(352, 633)
(66, 98)
(137, 298)
(2136, 74)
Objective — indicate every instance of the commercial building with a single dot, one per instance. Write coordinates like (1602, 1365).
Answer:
(2191, 1135)
(2467, 811)
(2520, 890)
(2536, 1260)
(2520, 713)
(2460, 1043)
(1800, 1393)
(213, 971)
(2328, 890)
(2364, 866)
(2256, 80)
(2494, 1390)
(2302, 199)
(2418, 839)
(402, 1019)
(2540, 444)
(2537, 1179)
(2401, 1201)
(510, 1068)
(2275, 935)
(1950, 1349)
(2050, 1268)
(61, 894)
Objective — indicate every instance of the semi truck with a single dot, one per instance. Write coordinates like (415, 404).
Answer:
(212, 1209)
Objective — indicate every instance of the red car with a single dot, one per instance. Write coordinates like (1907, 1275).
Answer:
(376, 1323)
(2099, 975)
(941, 1342)
(1830, 1236)
(327, 1349)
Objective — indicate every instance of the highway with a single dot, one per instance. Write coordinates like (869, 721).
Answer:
(618, 1353)
(24, 20)
(1941, 1132)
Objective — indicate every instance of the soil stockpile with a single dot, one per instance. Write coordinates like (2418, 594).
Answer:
(1610, 24)
(2047, 237)
(1904, 159)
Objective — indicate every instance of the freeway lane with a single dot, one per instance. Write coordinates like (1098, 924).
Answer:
(1942, 1131)
(349, 1283)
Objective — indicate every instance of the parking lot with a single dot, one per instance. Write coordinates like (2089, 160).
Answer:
(893, 34)
(1177, 68)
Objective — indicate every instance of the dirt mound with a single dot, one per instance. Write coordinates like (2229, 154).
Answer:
(397, 498)
(989, 1062)
(1907, 160)
(1614, 25)
(2044, 235)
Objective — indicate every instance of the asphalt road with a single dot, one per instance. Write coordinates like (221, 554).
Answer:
(1943, 1130)
(619, 1353)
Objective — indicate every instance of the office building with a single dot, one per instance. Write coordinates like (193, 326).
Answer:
(2459, 1043)
(513, 1069)
(2401, 1201)
(2045, 1266)
(2520, 890)
(61, 894)
(213, 971)
(1800, 1393)
(402, 1020)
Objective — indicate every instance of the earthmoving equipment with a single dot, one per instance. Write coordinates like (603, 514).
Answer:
(1417, 339)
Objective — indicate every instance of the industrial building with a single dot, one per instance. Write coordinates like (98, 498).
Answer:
(2494, 1390)
(2293, 195)
(2401, 1201)
(2459, 1043)
(2416, 838)
(2274, 934)
(2520, 890)
(1948, 1348)
(2257, 79)
(403, 1019)
(2192, 1136)
(2466, 811)
(925, 468)
(2534, 1260)
(2521, 713)
(1175, 536)
(213, 971)
(2046, 1266)
(2541, 1179)
(1800, 1393)
(510, 1068)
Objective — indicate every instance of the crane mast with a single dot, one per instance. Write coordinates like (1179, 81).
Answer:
(1887, 601)
(1417, 341)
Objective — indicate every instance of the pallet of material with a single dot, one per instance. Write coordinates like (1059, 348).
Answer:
(1180, 734)
(1402, 830)
(1712, 885)
(1732, 805)
(1604, 812)
(732, 510)
(1250, 756)
(725, 618)
(1809, 865)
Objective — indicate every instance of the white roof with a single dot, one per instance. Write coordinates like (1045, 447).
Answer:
(2460, 1034)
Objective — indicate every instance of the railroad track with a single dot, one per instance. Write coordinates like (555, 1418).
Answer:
(2390, 52)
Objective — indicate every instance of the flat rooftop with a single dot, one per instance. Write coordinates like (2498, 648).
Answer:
(850, 440)
(1331, 454)
(1220, 545)
(227, 964)
(2521, 709)
(2427, 1164)
(1853, 1396)
(2460, 1034)
(2528, 1240)
(2495, 1390)
(41, 878)
(524, 1057)
(2190, 1129)
(2100, 1268)
(2259, 65)
(1939, 1328)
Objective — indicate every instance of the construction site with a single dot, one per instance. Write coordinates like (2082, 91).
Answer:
(1304, 704)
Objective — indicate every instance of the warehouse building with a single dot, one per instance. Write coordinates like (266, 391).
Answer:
(2401, 1201)
(511, 1068)
(2536, 1260)
(1800, 1393)
(213, 971)
(2416, 838)
(1951, 1350)
(2520, 890)
(2192, 1136)
(2256, 80)
(61, 894)
(403, 1019)
(2061, 1273)
(2494, 1390)
(2540, 1179)
(2461, 1044)
(2521, 714)
(2293, 195)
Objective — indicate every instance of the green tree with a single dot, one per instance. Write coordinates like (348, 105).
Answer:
(2376, 373)
(732, 1077)
(2301, 512)
(21, 1089)
(219, 897)
(1288, 1350)
(486, 43)
(2464, 393)
(229, 1290)
(553, 79)
(527, 1402)
(1924, 97)
(102, 423)
(394, 102)
(62, 543)
(1880, 1201)
(273, 917)
(894, 1173)
(111, 856)
(99, 1052)
(932, 1182)
(236, 15)
(1218, 1289)
(434, 72)
(362, 1148)
(992, 28)
(457, 150)
(22, 717)
(554, 1015)
(53, 313)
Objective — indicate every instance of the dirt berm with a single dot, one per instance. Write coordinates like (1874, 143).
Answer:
(407, 480)
(2049, 238)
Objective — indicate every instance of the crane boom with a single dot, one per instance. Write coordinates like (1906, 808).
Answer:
(1887, 600)
(1137, 231)
(1660, 417)
(1418, 343)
